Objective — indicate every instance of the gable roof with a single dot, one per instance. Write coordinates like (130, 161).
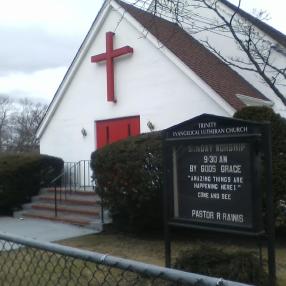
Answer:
(267, 29)
(219, 76)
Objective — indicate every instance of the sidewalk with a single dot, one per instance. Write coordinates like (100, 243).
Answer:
(41, 229)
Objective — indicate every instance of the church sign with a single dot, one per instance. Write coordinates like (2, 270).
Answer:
(212, 173)
(212, 167)
(213, 183)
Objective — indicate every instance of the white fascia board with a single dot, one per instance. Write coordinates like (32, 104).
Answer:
(88, 41)
(73, 68)
(171, 56)
(277, 46)
(251, 101)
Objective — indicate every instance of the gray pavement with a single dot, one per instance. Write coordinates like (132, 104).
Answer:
(41, 229)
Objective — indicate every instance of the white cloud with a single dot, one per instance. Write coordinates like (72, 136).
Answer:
(39, 39)
(55, 16)
(32, 49)
(275, 9)
(39, 85)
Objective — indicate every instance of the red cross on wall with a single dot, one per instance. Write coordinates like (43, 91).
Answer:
(108, 56)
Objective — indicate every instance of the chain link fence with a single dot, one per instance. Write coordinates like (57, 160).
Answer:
(29, 262)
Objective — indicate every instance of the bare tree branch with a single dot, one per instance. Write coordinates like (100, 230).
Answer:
(18, 124)
(251, 42)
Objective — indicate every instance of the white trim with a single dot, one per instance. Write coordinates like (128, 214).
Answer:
(171, 56)
(251, 101)
(73, 67)
(108, 4)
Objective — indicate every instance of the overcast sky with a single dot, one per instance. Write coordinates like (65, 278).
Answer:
(39, 39)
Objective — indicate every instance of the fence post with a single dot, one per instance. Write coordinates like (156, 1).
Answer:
(55, 194)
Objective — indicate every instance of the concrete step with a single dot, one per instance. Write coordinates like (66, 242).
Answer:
(78, 207)
(76, 219)
(69, 199)
(64, 191)
(84, 210)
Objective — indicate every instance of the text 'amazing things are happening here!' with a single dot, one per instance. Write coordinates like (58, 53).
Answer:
(213, 174)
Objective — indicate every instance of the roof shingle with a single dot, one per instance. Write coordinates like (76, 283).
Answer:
(218, 75)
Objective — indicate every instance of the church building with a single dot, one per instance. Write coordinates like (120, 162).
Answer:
(132, 74)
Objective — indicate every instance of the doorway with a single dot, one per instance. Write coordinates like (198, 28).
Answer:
(112, 130)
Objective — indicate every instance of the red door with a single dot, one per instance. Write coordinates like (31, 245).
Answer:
(112, 130)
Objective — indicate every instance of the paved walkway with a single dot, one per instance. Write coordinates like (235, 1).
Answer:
(41, 229)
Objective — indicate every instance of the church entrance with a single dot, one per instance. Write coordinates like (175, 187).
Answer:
(112, 130)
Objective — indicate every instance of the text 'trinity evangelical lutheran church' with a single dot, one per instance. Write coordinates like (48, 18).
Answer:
(135, 71)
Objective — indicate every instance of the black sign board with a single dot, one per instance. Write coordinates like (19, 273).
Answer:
(213, 183)
(213, 173)
(212, 179)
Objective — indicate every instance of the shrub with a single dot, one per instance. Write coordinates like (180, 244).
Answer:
(22, 175)
(278, 130)
(129, 180)
(242, 266)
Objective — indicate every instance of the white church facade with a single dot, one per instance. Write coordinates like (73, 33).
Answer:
(134, 72)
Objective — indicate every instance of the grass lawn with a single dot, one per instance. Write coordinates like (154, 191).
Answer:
(151, 249)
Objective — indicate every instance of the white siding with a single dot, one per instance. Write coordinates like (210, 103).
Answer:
(147, 83)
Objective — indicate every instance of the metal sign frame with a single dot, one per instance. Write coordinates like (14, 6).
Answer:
(255, 195)
(260, 141)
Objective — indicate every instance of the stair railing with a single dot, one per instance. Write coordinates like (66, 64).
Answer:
(75, 176)
(84, 177)
(54, 184)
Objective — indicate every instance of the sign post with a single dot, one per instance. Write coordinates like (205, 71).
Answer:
(212, 179)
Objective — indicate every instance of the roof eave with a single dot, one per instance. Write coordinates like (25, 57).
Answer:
(72, 68)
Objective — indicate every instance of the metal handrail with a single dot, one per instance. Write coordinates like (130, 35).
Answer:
(88, 174)
(76, 166)
(60, 175)
(75, 179)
